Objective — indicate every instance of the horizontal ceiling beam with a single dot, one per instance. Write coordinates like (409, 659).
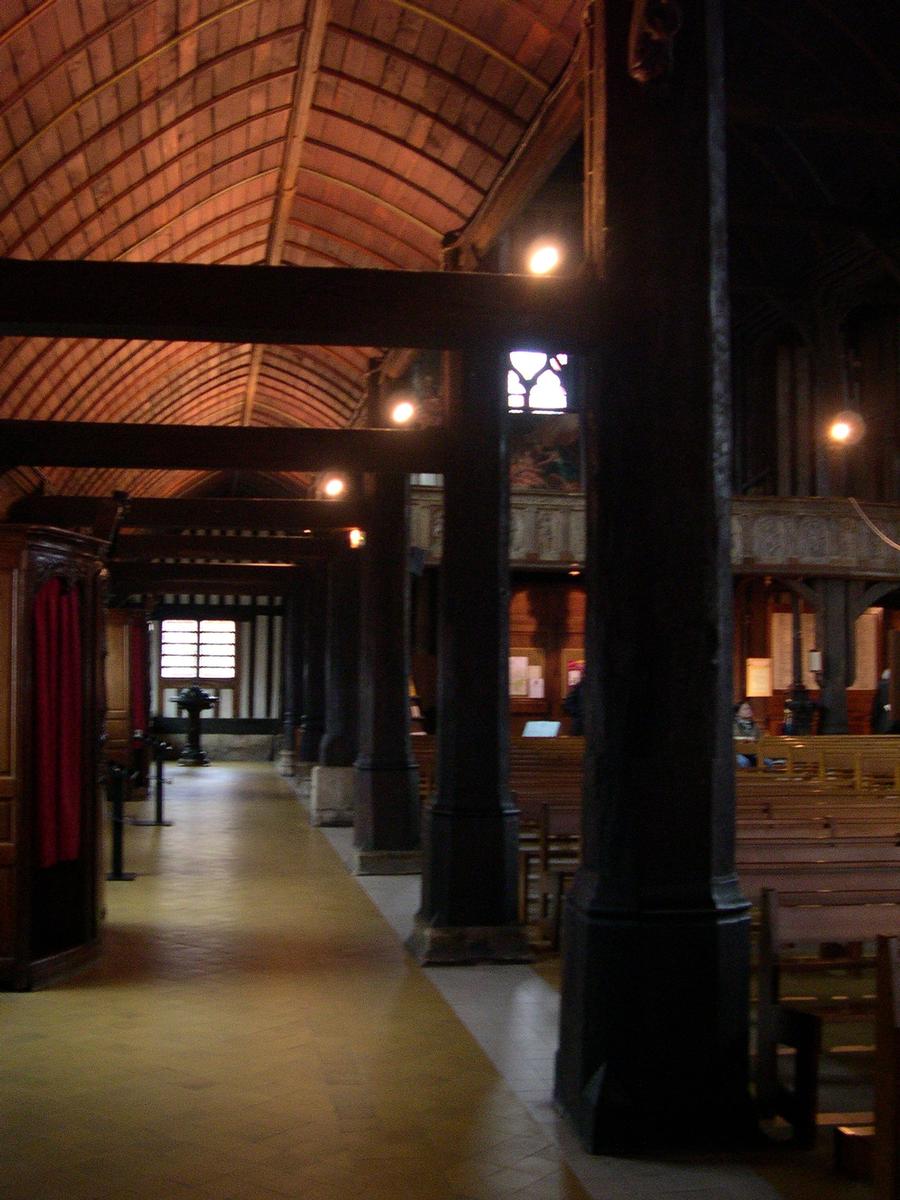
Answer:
(218, 447)
(218, 578)
(200, 512)
(143, 546)
(320, 306)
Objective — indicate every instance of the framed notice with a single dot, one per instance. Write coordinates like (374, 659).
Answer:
(759, 677)
(527, 678)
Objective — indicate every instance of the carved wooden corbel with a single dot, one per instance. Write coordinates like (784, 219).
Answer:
(651, 39)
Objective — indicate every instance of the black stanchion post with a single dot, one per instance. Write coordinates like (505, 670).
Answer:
(159, 753)
(116, 778)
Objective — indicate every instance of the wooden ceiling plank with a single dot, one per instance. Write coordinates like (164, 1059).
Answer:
(296, 305)
(305, 81)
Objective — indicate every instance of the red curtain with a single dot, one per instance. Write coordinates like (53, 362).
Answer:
(58, 722)
(139, 650)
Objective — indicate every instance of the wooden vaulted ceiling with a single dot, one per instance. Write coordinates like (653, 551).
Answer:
(361, 133)
(353, 133)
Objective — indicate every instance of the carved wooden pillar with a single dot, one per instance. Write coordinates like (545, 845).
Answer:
(387, 776)
(470, 839)
(655, 994)
(332, 785)
(313, 723)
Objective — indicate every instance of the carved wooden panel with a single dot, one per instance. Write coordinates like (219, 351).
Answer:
(769, 535)
(546, 530)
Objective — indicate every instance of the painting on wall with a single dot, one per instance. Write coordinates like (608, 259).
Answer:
(545, 452)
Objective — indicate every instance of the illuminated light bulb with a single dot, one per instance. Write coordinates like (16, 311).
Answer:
(402, 412)
(356, 538)
(847, 428)
(839, 431)
(334, 487)
(543, 260)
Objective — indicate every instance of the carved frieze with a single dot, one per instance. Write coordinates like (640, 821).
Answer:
(814, 536)
(809, 536)
(546, 529)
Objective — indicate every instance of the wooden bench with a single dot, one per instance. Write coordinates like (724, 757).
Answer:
(548, 862)
(873, 1149)
(863, 758)
(788, 920)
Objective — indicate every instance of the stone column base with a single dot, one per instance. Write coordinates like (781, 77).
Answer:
(443, 945)
(285, 765)
(388, 862)
(332, 796)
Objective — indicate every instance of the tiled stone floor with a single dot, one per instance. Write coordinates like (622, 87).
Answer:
(255, 1031)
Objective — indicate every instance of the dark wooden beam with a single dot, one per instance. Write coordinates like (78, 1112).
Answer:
(143, 546)
(198, 513)
(220, 578)
(297, 305)
(749, 112)
(218, 447)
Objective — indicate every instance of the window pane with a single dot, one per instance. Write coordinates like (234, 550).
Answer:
(175, 625)
(548, 392)
(528, 362)
(176, 673)
(217, 626)
(218, 672)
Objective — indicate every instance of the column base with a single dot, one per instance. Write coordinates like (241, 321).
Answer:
(388, 862)
(286, 760)
(332, 796)
(445, 945)
(193, 758)
(656, 1057)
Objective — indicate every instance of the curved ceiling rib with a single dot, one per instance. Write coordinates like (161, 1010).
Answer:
(345, 133)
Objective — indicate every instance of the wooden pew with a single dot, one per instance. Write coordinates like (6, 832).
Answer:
(862, 758)
(786, 920)
(874, 1149)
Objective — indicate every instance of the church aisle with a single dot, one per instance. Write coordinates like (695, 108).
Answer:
(253, 1031)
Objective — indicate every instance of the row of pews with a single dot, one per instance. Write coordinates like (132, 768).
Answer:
(818, 854)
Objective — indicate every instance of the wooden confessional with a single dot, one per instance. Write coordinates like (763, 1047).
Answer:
(51, 720)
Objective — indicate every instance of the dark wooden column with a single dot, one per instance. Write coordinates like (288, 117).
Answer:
(836, 638)
(470, 840)
(313, 723)
(332, 784)
(387, 776)
(655, 995)
(291, 689)
(339, 743)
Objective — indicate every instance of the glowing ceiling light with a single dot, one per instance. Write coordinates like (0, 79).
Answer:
(544, 259)
(334, 487)
(403, 412)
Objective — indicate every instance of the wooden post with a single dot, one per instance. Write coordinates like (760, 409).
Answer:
(387, 794)
(655, 991)
(313, 723)
(332, 783)
(470, 839)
